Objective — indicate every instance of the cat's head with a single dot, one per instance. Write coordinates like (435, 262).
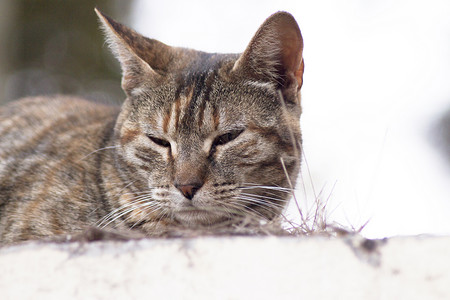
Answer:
(204, 137)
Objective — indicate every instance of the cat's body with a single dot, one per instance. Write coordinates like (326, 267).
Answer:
(201, 139)
(46, 168)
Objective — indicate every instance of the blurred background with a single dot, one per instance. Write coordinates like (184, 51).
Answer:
(376, 91)
(51, 46)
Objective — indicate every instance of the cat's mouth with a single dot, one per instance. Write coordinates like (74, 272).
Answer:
(192, 216)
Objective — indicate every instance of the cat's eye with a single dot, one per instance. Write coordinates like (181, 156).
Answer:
(159, 142)
(227, 137)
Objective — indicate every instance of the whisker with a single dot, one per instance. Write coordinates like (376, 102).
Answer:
(241, 207)
(145, 205)
(116, 210)
(293, 194)
(164, 213)
(141, 196)
(139, 193)
(265, 197)
(261, 202)
(122, 214)
(116, 216)
(229, 209)
(291, 132)
(273, 194)
(134, 202)
(120, 192)
(309, 173)
(245, 202)
(256, 213)
(95, 151)
(160, 215)
(268, 187)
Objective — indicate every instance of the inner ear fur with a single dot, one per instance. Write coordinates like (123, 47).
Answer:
(141, 59)
(275, 53)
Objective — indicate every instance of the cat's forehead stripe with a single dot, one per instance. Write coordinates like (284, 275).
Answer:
(198, 87)
(216, 118)
(177, 112)
(171, 118)
(201, 113)
(188, 96)
(166, 119)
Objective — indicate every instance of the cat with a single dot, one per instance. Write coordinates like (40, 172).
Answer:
(201, 139)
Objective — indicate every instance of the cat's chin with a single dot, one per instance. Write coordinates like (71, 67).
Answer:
(198, 217)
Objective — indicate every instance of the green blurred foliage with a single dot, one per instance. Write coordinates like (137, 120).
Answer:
(56, 46)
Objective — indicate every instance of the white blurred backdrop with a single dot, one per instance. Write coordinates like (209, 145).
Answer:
(376, 84)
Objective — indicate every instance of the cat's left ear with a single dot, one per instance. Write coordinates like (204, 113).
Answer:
(274, 55)
(143, 60)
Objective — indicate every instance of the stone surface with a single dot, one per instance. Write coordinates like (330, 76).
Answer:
(230, 268)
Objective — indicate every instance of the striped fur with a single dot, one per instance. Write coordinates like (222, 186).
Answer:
(201, 139)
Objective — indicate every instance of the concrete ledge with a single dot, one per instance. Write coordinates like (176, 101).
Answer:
(230, 268)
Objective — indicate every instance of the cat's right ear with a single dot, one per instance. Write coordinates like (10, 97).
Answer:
(143, 60)
(275, 55)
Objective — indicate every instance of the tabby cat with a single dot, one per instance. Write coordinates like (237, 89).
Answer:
(200, 139)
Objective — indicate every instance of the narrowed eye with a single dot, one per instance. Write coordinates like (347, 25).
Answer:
(227, 137)
(159, 142)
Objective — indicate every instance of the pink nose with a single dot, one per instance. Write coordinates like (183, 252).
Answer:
(188, 190)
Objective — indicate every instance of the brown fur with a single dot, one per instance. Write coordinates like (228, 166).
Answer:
(201, 139)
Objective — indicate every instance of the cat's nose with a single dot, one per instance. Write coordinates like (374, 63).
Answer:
(188, 190)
